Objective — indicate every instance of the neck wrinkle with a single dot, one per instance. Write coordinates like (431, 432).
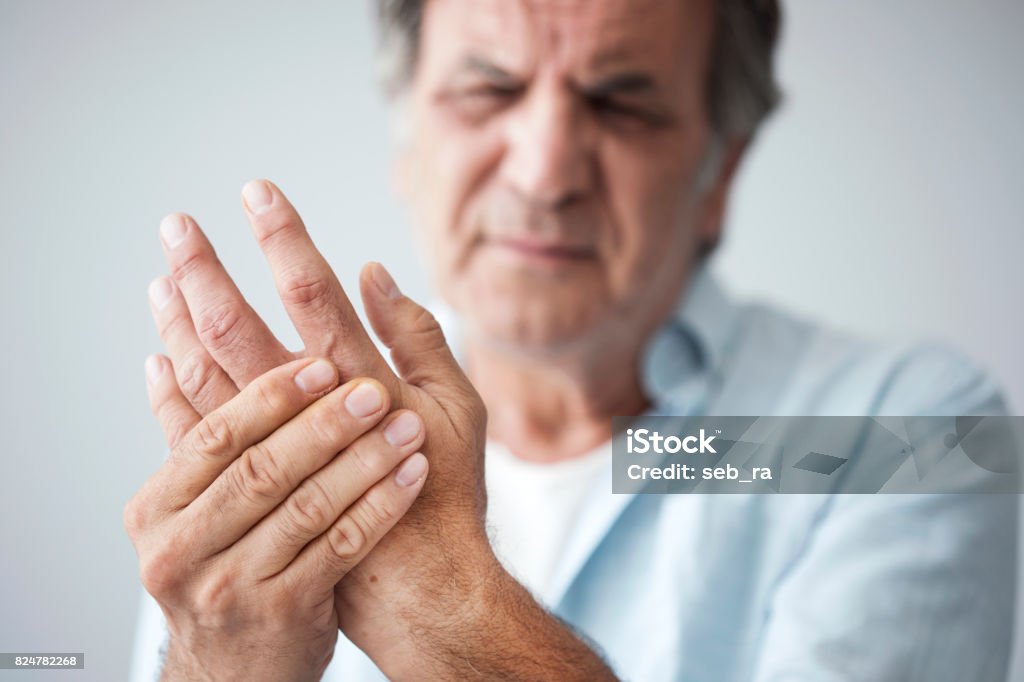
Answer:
(553, 410)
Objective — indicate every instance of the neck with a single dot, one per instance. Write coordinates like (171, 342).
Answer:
(550, 408)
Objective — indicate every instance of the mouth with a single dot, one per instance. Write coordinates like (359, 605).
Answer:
(544, 250)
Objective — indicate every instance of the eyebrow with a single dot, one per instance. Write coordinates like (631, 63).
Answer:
(629, 83)
(487, 68)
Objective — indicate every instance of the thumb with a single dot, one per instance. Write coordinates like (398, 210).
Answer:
(418, 347)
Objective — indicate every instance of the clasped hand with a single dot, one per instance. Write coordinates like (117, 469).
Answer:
(285, 508)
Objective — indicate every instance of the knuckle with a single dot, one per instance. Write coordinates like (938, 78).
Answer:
(160, 570)
(271, 397)
(326, 425)
(378, 509)
(219, 325)
(187, 266)
(214, 436)
(426, 326)
(173, 324)
(133, 517)
(177, 431)
(196, 376)
(217, 596)
(273, 228)
(309, 507)
(366, 466)
(347, 540)
(257, 475)
(304, 288)
(424, 333)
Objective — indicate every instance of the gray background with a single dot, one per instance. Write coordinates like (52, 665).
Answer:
(884, 197)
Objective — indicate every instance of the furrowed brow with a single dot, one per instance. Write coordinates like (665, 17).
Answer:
(624, 83)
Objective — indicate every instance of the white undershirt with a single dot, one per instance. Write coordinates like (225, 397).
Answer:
(533, 507)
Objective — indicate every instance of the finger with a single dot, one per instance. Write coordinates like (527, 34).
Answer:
(174, 413)
(176, 417)
(320, 499)
(327, 559)
(235, 336)
(313, 297)
(218, 440)
(202, 381)
(268, 471)
(418, 347)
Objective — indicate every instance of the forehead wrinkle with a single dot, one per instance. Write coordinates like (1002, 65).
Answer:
(575, 40)
(591, 37)
(503, 33)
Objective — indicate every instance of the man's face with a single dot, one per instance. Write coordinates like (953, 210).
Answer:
(551, 169)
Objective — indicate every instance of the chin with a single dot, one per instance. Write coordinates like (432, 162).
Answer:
(530, 324)
(521, 305)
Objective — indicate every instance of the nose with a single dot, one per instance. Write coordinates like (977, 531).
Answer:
(549, 150)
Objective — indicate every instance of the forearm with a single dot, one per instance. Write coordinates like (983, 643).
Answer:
(477, 623)
(508, 635)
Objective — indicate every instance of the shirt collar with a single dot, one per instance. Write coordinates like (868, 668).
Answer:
(692, 341)
(708, 313)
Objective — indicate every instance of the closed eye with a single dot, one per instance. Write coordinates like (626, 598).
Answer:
(612, 108)
(477, 102)
(492, 91)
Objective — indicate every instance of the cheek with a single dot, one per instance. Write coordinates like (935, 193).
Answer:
(652, 213)
(452, 165)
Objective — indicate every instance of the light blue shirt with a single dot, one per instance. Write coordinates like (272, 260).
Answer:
(774, 588)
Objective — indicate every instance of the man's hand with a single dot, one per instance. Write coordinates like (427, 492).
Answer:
(422, 603)
(253, 519)
(218, 344)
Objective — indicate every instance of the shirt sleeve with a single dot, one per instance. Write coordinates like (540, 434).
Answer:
(899, 587)
(903, 587)
(150, 641)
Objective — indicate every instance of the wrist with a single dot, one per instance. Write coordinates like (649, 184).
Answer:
(180, 664)
(203, 663)
(405, 620)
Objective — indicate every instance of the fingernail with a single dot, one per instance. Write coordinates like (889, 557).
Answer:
(412, 470)
(403, 429)
(257, 196)
(160, 291)
(154, 369)
(173, 229)
(364, 400)
(384, 282)
(316, 377)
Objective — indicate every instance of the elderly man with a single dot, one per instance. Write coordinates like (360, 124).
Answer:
(567, 164)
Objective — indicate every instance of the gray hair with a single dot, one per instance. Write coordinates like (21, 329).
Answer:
(741, 88)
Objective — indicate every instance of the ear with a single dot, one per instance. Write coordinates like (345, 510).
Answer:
(716, 197)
